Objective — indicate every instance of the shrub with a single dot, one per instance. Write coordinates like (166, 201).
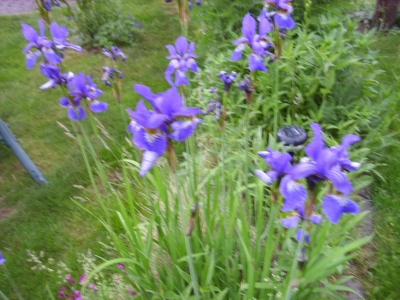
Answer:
(100, 23)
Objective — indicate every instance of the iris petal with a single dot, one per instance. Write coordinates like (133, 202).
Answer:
(149, 159)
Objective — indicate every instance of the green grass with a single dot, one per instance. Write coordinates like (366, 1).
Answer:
(44, 218)
(385, 274)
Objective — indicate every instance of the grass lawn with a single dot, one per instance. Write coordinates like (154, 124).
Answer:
(384, 280)
(44, 218)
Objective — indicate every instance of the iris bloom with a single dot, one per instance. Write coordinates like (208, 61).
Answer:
(282, 16)
(295, 194)
(181, 58)
(108, 73)
(81, 87)
(298, 215)
(46, 5)
(334, 206)
(114, 53)
(215, 107)
(152, 129)
(39, 42)
(259, 43)
(55, 77)
(246, 85)
(2, 259)
(324, 162)
(227, 79)
(59, 34)
(279, 162)
(329, 164)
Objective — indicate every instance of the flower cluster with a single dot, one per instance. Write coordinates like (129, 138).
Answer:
(181, 59)
(322, 164)
(153, 130)
(260, 43)
(279, 15)
(40, 44)
(114, 53)
(80, 88)
(70, 291)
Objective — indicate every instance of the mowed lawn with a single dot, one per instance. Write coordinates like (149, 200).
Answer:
(44, 218)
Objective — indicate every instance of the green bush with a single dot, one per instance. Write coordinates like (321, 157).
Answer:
(100, 23)
(327, 74)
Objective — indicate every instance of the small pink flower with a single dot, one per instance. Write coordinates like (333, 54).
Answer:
(131, 292)
(92, 287)
(121, 266)
(69, 279)
(82, 278)
(77, 295)
(61, 295)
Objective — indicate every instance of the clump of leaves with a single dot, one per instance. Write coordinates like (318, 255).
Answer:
(100, 23)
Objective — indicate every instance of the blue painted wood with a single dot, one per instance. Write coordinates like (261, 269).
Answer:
(9, 139)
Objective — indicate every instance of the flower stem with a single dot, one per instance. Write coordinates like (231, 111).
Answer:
(276, 96)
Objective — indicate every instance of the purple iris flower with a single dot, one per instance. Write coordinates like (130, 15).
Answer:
(294, 193)
(334, 206)
(324, 162)
(46, 5)
(279, 162)
(246, 85)
(149, 130)
(227, 79)
(2, 259)
(39, 42)
(82, 87)
(294, 220)
(59, 34)
(341, 151)
(74, 109)
(114, 53)
(169, 103)
(181, 58)
(152, 129)
(55, 77)
(281, 17)
(259, 43)
(302, 234)
(215, 107)
(108, 73)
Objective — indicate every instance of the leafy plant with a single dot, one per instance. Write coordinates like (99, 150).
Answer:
(100, 23)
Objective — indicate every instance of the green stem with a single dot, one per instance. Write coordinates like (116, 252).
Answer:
(288, 292)
(12, 283)
(276, 95)
(192, 270)
(246, 163)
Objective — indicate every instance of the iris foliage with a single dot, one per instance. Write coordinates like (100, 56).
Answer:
(200, 225)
